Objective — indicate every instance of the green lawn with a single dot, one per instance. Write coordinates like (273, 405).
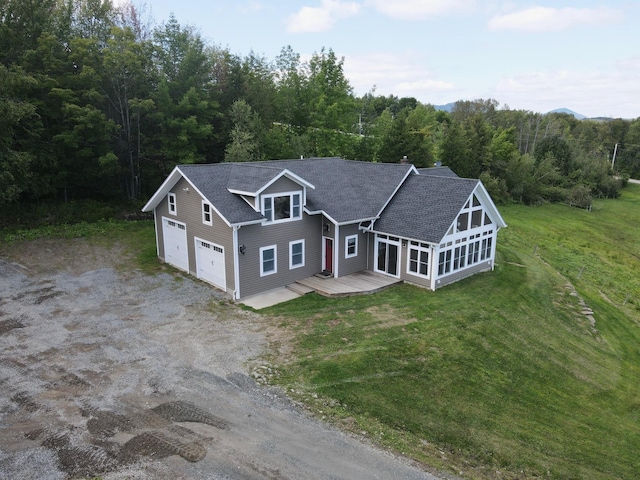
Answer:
(500, 372)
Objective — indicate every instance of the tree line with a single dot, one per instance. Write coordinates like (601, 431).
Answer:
(100, 102)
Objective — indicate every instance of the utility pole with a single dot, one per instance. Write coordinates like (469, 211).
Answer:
(613, 161)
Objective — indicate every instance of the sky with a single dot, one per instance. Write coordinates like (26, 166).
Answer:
(535, 55)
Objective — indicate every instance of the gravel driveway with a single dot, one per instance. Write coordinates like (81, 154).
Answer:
(107, 371)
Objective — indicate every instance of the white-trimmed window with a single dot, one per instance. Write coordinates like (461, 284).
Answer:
(171, 200)
(351, 246)
(418, 261)
(282, 207)
(207, 218)
(296, 254)
(268, 260)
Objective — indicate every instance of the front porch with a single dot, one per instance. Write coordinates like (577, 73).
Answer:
(359, 283)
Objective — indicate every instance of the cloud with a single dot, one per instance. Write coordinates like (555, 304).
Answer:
(421, 9)
(614, 92)
(394, 74)
(546, 19)
(322, 18)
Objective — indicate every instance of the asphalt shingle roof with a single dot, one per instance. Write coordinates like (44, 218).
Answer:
(346, 190)
(437, 172)
(212, 181)
(425, 207)
(251, 178)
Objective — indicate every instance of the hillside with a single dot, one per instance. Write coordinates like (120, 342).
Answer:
(529, 371)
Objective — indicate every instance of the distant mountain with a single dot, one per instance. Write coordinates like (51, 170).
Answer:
(447, 108)
(579, 116)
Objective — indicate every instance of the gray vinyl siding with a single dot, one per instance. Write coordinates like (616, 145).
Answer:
(353, 264)
(283, 185)
(189, 212)
(464, 273)
(253, 237)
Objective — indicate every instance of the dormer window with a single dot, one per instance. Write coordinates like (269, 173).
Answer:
(282, 207)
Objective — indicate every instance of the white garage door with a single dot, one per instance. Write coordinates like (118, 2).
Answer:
(210, 263)
(175, 243)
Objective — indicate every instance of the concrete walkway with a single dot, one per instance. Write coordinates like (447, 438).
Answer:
(270, 298)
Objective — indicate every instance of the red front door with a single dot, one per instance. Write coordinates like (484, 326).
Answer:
(328, 255)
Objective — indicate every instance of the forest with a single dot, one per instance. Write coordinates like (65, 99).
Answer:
(101, 102)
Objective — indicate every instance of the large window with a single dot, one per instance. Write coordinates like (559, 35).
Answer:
(171, 199)
(296, 254)
(282, 207)
(207, 219)
(351, 246)
(465, 252)
(418, 263)
(472, 216)
(268, 260)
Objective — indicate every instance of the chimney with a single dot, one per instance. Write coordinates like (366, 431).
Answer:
(404, 160)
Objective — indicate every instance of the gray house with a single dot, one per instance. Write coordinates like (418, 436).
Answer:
(247, 228)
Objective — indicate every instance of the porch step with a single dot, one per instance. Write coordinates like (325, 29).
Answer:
(323, 274)
(300, 288)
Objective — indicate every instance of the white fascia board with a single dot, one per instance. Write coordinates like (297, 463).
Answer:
(241, 192)
(368, 219)
(409, 239)
(162, 191)
(290, 175)
(488, 201)
(252, 222)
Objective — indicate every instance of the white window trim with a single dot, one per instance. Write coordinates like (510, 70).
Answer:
(346, 246)
(419, 249)
(282, 194)
(210, 222)
(291, 244)
(275, 260)
(172, 204)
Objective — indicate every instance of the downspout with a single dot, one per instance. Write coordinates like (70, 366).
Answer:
(236, 266)
(494, 241)
(336, 248)
(155, 225)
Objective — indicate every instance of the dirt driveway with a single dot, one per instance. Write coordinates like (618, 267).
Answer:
(107, 371)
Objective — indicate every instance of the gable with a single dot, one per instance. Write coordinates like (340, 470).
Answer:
(426, 207)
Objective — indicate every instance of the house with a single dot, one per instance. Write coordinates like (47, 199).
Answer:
(247, 228)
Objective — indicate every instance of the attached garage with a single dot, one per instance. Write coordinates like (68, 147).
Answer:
(176, 252)
(210, 263)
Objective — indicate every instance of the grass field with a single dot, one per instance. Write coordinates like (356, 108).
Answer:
(500, 375)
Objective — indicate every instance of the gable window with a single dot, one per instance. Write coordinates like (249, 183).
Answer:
(171, 199)
(418, 263)
(351, 246)
(282, 207)
(268, 260)
(207, 219)
(296, 254)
